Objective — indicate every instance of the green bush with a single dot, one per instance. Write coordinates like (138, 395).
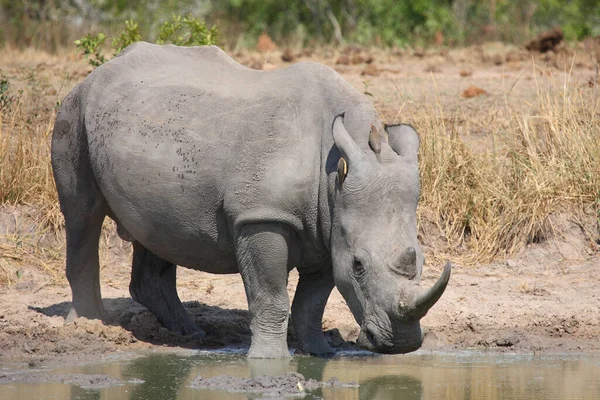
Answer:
(401, 22)
(129, 35)
(91, 48)
(188, 31)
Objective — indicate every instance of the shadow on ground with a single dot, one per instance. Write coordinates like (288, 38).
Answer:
(224, 327)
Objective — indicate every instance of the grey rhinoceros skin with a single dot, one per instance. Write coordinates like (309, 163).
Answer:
(210, 165)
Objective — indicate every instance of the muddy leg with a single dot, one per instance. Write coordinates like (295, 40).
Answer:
(307, 311)
(153, 284)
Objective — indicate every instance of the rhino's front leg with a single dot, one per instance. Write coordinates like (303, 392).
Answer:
(262, 252)
(307, 311)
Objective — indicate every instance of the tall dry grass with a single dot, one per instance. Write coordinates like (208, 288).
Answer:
(543, 160)
(25, 171)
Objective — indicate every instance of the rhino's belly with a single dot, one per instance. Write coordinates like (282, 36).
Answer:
(199, 252)
(180, 219)
(200, 247)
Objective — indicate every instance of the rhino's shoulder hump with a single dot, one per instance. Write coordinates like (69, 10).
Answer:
(327, 79)
(315, 71)
(149, 53)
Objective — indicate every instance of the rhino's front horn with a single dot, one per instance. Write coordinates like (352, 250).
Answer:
(426, 300)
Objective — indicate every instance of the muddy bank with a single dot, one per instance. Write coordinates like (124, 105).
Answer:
(525, 307)
(85, 381)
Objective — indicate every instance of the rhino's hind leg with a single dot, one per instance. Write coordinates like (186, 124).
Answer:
(83, 267)
(83, 207)
(307, 311)
(153, 284)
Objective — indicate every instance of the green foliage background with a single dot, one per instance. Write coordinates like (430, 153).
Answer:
(400, 22)
(54, 23)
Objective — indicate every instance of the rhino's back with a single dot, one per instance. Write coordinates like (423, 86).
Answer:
(186, 144)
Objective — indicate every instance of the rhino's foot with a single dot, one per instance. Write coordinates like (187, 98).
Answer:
(316, 346)
(269, 351)
(153, 284)
(87, 312)
(310, 299)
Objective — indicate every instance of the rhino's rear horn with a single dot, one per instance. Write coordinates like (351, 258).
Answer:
(426, 300)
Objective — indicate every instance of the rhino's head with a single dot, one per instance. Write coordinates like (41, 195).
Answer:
(377, 261)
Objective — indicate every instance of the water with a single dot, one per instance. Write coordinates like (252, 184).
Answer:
(462, 375)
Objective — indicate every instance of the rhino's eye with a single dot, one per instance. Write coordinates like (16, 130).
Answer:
(358, 267)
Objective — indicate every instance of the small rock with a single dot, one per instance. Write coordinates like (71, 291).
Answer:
(288, 56)
(371, 69)
(343, 60)
(464, 73)
(511, 263)
(473, 91)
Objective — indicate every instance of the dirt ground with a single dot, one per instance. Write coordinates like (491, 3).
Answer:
(539, 301)
(546, 298)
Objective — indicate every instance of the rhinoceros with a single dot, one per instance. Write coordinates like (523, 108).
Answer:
(204, 163)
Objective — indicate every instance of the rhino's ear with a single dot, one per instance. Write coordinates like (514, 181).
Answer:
(350, 150)
(404, 140)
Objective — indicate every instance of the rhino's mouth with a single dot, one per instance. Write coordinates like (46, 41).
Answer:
(372, 337)
(400, 340)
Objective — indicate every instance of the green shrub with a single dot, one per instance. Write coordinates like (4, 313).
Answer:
(91, 48)
(402, 22)
(187, 31)
(129, 35)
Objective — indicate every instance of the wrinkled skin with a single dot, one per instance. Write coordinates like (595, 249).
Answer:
(206, 164)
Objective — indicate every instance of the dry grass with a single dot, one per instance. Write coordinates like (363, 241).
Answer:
(26, 122)
(542, 158)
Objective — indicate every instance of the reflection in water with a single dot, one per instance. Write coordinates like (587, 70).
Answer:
(415, 376)
(311, 367)
(82, 394)
(163, 375)
(391, 388)
(268, 367)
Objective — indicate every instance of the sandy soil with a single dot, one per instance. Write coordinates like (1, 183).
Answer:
(546, 298)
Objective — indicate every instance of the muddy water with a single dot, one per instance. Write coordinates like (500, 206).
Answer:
(464, 375)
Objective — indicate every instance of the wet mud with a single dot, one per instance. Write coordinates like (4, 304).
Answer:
(85, 381)
(290, 384)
